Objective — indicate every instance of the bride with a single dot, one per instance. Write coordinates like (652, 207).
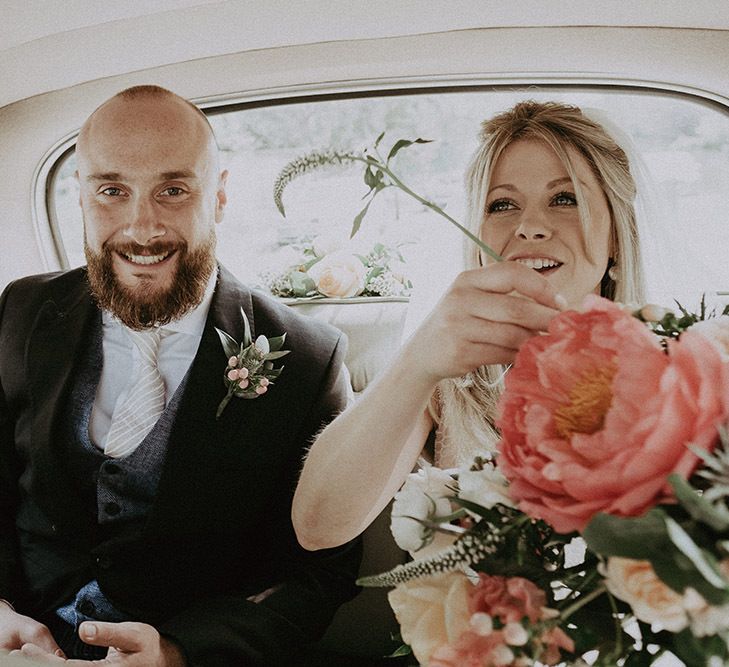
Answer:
(552, 193)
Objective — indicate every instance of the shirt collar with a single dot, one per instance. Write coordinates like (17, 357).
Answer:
(191, 323)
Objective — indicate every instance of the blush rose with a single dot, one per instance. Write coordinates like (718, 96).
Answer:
(339, 275)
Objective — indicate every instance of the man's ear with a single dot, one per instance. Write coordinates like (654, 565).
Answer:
(221, 197)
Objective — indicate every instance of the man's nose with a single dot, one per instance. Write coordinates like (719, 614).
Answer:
(533, 226)
(143, 226)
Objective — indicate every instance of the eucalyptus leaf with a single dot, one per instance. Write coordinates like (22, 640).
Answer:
(699, 508)
(402, 650)
(230, 345)
(404, 143)
(301, 283)
(477, 509)
(247, 337)
(276, 355)
(635, 537)
(276, 343)
(358, 219)
(379, 139)
(369, 178)
(307, 265)
(703, 561)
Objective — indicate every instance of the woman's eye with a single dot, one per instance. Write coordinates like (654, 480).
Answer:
(564, 199)
(500, 205)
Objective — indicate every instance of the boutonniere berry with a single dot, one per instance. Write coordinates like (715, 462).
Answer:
(250, 370)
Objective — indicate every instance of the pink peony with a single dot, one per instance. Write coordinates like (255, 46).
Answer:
(595, 415)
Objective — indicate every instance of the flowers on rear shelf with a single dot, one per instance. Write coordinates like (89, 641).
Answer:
(328, 268)
(600, 530)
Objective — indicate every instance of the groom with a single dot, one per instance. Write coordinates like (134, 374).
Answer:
(154, 534)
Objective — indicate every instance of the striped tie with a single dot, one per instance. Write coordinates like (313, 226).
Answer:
(136, 416)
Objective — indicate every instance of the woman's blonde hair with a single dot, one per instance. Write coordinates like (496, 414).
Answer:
(466, 406)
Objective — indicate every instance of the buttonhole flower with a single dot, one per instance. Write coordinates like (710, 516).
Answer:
(250, 370)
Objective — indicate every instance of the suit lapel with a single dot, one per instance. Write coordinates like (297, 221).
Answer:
(197, 439)
(54, 345)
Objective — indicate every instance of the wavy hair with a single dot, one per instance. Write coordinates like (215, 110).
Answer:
(465, 407)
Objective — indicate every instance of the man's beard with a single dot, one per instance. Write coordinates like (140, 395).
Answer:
(144, 306)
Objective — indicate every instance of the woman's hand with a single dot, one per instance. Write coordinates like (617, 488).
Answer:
(482, 319)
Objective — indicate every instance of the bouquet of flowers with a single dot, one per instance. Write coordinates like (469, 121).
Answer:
(599, 531)
(325, 267)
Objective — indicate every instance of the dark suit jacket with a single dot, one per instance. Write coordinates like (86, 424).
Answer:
(219, 530)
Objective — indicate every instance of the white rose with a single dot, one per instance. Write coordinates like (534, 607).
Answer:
(339, 275)
(485, 487)
(716, 330)
(423, 496)
(324, 244)
(652, 601)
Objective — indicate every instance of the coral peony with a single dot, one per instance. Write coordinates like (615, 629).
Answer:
(596, 415)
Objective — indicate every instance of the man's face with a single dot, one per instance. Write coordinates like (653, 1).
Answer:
(150, 196)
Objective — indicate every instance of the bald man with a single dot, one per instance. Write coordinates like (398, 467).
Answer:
(173, 546)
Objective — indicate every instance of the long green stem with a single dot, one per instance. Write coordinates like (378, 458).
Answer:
(582, 601)
(433, 207)
(618, 627)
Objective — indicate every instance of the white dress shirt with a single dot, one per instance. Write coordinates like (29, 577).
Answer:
(121, 356)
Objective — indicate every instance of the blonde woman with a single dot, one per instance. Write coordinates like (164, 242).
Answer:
(553, 194)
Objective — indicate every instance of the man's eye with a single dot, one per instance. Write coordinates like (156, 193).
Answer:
(172, 191)
(112, 192)
(564, 199)
(500, 205)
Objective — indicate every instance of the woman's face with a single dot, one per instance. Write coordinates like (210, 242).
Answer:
(531, 217)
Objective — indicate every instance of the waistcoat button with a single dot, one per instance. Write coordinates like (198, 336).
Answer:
(112, 509)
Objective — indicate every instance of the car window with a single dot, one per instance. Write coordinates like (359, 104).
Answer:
(681, 157)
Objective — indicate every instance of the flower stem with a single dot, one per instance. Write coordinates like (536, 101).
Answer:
(433, 207)
(223, 403)
(582, 601)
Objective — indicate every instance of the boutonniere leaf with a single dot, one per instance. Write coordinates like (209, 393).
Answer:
(250, 370)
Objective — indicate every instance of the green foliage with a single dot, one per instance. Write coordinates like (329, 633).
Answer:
(378, 176)
(659, 539)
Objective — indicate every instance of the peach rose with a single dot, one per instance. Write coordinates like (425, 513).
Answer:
(432, 611)
(652, 601)
(339, 275)
(596, 415)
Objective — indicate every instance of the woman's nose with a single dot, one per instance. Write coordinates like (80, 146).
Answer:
(533, 227)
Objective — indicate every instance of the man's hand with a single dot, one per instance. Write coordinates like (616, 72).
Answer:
(17, 630)
(130, 645)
